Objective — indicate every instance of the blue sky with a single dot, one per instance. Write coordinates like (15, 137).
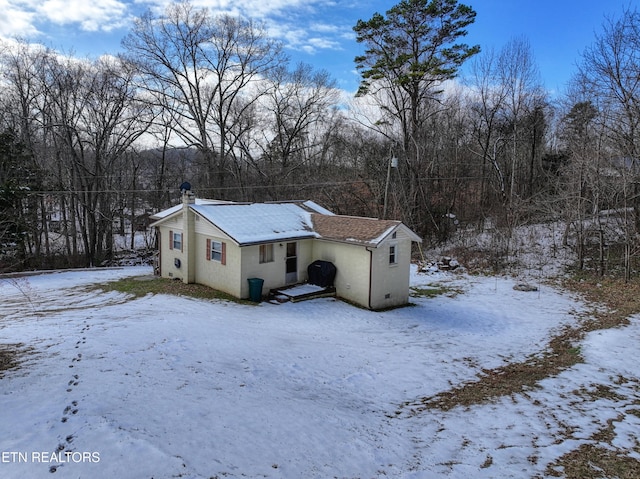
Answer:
(320, 32)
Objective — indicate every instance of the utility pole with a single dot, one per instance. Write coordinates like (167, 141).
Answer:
(393, 163)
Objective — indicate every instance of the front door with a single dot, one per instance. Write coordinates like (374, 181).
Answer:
(292, 264)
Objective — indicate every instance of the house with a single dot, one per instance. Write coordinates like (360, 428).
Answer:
(224, 244)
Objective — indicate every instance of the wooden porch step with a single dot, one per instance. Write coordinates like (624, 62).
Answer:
(302, 292)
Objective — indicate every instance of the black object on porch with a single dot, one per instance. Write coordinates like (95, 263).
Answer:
(321, 273)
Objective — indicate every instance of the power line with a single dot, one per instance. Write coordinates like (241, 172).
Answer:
(255, 187)
(211, 188)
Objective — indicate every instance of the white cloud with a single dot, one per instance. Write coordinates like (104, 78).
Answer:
(253, 8)
(268, 8)
(295, 22)
(90, 15)
(325, 28)
(324, 43)
(309, 26)
(16, 20)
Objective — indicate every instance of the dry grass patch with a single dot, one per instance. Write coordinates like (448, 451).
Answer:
(593, 462)
(433, 290)
(596, 461)
(142, 286)
(613, 302)
(10, 356)
(506, 380)
(618, 300)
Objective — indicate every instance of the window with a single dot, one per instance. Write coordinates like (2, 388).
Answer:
(216, 251)
(175, 240)
(266, 253)
(393, 254)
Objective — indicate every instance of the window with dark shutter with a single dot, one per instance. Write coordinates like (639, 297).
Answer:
(217, 251)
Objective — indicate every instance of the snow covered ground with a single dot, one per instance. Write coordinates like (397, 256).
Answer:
(165, 387)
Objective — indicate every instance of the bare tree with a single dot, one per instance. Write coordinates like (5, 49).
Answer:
(292, 121)
(580, 192)
(205, 71)
(21, 121)
(96, 117)
(519, 75)
(610, 74)
(486, 103)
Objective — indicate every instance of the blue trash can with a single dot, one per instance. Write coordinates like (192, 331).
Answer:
(255, 289)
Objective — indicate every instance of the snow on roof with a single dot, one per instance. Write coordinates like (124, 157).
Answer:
(251, 223)
(316, 208)
(259, 222)
(174, 209)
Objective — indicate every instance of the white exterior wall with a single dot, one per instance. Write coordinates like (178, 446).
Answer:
(241, 263)
(305, 258)
(273, 273)
(356, 265)
(390, 285)
(189, 265)
(167, 256)
(352, 265)
(212, 273)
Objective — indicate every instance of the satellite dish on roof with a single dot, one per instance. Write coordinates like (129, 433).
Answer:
(185, 187)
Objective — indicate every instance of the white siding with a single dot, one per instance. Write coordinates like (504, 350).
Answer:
(223, 277)
(390, 285)
(352, 265)
(204, 227)
(273, 273)
(356, 265)
(168, 256)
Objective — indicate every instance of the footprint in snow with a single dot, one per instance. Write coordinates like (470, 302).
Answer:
(72, 408)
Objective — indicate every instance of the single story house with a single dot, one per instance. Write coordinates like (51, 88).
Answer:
(224, 244)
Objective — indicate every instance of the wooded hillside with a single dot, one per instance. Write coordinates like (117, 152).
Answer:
(90, 147)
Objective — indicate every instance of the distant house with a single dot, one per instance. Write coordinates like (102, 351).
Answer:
(224, 244)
